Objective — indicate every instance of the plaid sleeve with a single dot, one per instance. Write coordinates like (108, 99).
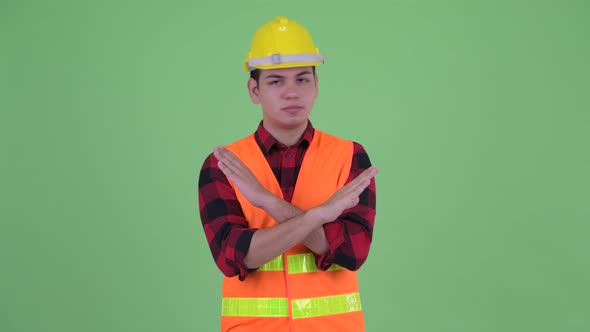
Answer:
(349, 237)
(224, 224)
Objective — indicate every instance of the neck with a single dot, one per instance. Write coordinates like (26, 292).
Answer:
(286, 136)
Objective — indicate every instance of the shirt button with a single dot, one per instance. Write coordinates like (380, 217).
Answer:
(288, 155)
(286, 189)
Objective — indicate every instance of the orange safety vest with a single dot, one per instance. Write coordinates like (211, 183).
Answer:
(289, 293)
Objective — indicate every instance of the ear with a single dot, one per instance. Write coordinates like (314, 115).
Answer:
(316, 84)
(253, 91)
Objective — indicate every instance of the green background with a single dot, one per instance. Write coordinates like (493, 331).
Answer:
(476, 113)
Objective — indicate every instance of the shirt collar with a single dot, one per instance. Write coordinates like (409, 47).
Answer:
(267, 142)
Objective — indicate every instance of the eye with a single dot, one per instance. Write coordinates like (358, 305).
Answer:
(274, 82)
(302, 80)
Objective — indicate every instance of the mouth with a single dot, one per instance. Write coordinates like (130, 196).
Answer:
(292, 108)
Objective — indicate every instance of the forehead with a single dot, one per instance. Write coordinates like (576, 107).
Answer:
(285, 72)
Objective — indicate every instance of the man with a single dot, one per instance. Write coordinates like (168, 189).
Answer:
(288, 212)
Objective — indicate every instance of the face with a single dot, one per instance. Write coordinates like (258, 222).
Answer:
(287, 96)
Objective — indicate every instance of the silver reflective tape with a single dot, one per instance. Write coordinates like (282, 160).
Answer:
(284, 58)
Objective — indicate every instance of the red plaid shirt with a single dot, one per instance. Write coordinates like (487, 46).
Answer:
(227, 230)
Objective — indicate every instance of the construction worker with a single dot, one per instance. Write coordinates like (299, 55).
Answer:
(288, 211)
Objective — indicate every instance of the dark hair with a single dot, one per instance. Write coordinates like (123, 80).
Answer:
(255, 74)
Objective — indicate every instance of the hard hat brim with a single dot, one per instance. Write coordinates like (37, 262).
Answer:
(282, 65)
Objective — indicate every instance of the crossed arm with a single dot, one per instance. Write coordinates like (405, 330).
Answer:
(294, 225)
(347, 234)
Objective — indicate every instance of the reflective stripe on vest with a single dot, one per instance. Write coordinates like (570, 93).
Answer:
(300, 263)
(302, 308)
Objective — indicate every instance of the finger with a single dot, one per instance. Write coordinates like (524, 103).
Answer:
(223, 153)
(369, 173)
(357, 190)
(366, 174)
(358, 182)
(223, 167)
(226, 170)
(229, 156)
(219, 153)
(353, 183)
(231, 160)
(230, 168)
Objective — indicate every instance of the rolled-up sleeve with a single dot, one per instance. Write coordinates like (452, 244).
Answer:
(225, 226)
(349, 236)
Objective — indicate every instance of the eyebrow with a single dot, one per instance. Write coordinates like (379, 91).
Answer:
(303, 73)
(281, 76)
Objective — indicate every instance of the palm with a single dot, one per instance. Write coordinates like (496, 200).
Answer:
(241, 176)
(347, 196)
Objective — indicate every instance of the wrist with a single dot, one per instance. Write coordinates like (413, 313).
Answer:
(268, 201)
(317, 214)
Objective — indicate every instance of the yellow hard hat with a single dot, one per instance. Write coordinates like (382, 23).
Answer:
(282, 43)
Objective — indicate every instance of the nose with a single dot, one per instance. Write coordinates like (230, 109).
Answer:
(291, 91)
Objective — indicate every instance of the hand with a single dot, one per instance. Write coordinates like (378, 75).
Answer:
(346, 197)
(242, 177)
